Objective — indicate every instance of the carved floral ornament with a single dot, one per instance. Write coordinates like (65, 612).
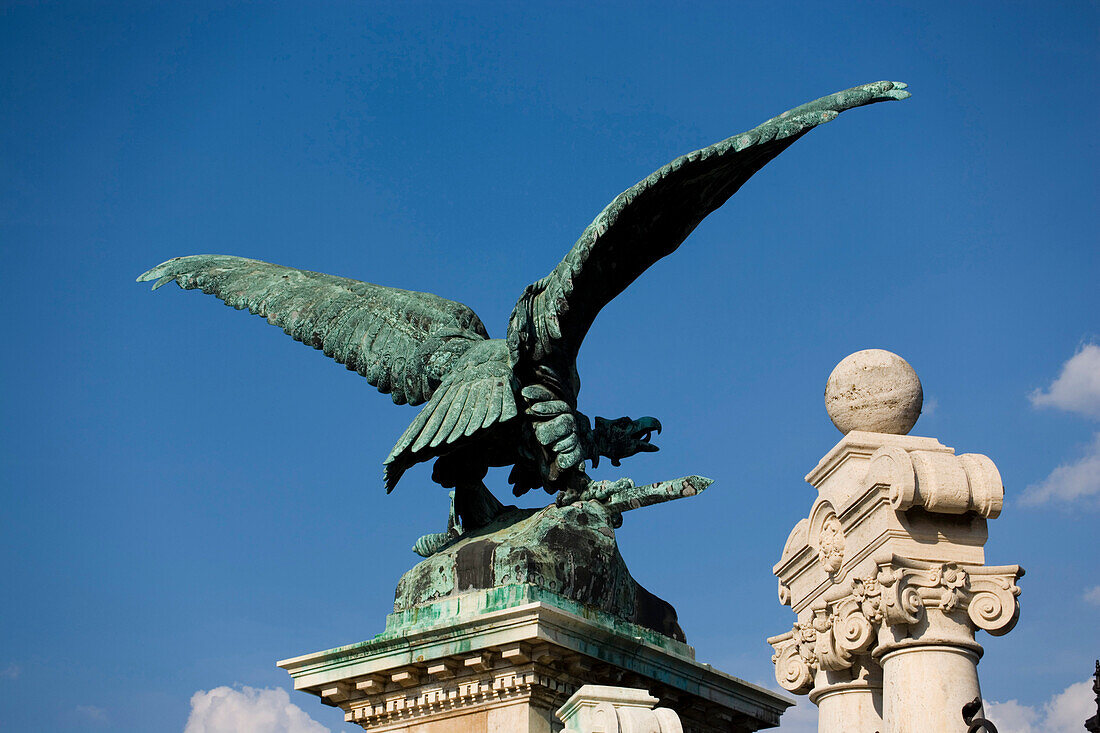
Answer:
(899, 593)
(823, 534)
(830, 544)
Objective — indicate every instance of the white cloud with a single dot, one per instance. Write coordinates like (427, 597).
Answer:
(1069, 710)
(1077, 388)
(248, 710)
(1092, 595)
(1066, 712)
(1012, 717)
(802, 718)
(11, 672)
(1070, 481)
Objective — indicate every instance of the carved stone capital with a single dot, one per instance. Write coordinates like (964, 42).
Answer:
(887, 575)
(831, 641)
(795, 658)
(988, 594)
(891, 608)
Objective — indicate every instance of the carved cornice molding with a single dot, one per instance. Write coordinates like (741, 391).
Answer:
(887, 493)
(440, 696)
(616, 710)
(858, 446)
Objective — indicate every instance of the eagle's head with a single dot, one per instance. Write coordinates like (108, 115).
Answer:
(622, 438)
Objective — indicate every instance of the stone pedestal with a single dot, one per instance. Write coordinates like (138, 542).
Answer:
(887, 578)
(503, 660)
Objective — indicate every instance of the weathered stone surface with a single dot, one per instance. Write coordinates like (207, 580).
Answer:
(875, 391)
(568, 550)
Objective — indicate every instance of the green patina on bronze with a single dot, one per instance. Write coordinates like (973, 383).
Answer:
(569, 550)
(512, 401)
(463, 610)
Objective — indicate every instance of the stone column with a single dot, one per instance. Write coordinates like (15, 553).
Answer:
(850, 699)
(927, 648)
(887, 574)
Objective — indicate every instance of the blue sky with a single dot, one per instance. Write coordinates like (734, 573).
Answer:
(189, 495)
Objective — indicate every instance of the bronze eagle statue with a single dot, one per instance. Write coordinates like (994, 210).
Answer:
(513, 401)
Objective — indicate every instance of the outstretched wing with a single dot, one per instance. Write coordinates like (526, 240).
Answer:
(649, 221)
(402, 341)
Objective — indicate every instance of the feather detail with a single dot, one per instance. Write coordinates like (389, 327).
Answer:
(473, 396)
(495, 403)
(458, 402)
(479, 411)
(439, 412)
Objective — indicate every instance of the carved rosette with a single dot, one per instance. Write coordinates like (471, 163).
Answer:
(831, 544)
(826, 534)
(867, 592)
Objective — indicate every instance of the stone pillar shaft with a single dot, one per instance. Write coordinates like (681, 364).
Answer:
(853, 710)
(925, 687)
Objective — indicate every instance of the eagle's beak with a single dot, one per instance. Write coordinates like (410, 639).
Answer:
(642, 431)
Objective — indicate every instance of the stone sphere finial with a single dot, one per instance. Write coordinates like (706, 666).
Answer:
(874, 390)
